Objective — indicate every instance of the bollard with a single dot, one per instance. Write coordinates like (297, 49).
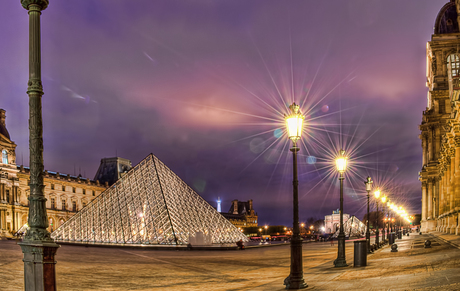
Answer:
(399, 235)
(394, 248)
(392, 238)
(427, 244)
(360, 253)
(407, 234)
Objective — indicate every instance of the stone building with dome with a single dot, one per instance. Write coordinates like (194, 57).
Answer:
(65, 194)
(440, 126)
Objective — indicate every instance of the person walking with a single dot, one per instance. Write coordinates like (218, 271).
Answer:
(332, 241)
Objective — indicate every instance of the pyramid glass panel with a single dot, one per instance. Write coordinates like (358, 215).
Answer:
(149, 205)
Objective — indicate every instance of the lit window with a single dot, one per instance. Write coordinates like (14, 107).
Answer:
(454, 62)
(4, 157)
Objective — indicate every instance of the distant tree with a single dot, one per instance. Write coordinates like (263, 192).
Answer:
(374, 218)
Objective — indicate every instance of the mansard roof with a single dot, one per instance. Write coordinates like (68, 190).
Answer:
(446, 21)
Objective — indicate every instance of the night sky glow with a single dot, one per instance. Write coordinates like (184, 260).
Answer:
(204, 86)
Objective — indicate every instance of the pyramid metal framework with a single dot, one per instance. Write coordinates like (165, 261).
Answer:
(353, 227)
(149, 205)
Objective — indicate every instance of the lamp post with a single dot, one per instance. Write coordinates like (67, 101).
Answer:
(38, 247)
(388, 220)
(260, 231)
(341, 164)
(295, 279)
(377, 195)
(266, 227)
(384, 199)
(368, 234)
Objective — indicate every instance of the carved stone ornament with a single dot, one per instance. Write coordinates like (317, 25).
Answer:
(433, 65)
(41, 3)
(457, 141)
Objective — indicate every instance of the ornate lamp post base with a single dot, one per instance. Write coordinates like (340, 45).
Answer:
(341, 261)
(295, 279)
(39, 265)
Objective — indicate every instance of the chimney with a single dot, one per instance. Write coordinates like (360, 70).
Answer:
(235, 206)
(2, 117)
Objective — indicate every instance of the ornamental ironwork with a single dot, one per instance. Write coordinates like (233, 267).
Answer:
(149, 205)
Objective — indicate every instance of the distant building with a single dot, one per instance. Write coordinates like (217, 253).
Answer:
(241, 214)
(112, 169)
(65, 194)
(332, 222)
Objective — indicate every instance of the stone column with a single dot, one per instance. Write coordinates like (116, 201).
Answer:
(38, 247)
(430, 199)
(424, 198)
(457, 173)
(430, 144)
(424, 150)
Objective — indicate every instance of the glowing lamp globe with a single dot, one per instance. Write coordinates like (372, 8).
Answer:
(341, 162)
(294, 123)
(377, 193)
(384, 198)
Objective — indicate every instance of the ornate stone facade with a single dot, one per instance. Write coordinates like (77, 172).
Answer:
(241, 214)
(65, 194)
(440, 127)
(332, 222)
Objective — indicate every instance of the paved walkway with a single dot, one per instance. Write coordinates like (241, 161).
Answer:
(90, 268)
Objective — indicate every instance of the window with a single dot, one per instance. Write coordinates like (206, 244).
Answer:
(63, 188)
(53, 205)
(454, 62)
(52, 186)
(5, 157)
(8, 196)
(94, 193)
(74, 206)
(73, 189)
(63, 204)
(84, 192)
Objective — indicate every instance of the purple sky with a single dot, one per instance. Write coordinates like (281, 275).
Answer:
(203, 85)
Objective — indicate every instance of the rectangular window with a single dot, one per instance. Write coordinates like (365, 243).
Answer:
(73, 189)
(94, 193)
(63, 204)
(63, 188)
(52, 186)
(53, 205)
(8, 196)
(84, 192)
(74, 206)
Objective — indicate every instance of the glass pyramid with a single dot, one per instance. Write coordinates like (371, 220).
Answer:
(353, 227)
(149, 205)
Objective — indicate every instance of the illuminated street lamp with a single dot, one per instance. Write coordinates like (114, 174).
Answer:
(295, 280)
(260, 231)
(341, 164)
(377, 195)
(384, 199)
(368, 234)
(388, 220)
(266, 227)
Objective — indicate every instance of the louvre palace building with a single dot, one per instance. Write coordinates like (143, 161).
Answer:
(440, 126)
(65, 194)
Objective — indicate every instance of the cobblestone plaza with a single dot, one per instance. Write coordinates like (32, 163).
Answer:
(261, 268)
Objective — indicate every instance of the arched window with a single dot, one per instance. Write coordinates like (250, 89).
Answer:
(4, 157)
(453, 62)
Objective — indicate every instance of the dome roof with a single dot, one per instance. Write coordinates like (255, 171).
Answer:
(3, 131)
(446, 22)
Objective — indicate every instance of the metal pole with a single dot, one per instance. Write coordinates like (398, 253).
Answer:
(383, 229)
(295, 279)
(38, 247)
(341, 261)
(368, 234)
(377, 226)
